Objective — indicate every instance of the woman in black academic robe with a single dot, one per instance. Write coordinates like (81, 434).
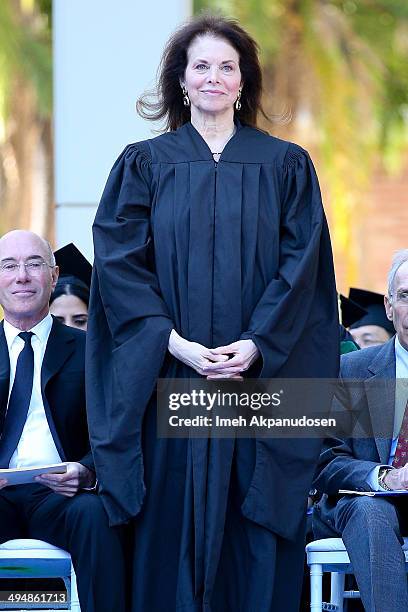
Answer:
(210, 240)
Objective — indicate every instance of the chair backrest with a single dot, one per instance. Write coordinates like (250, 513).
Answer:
(26, 558)
(330, 555)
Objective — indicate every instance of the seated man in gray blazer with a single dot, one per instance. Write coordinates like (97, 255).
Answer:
(43, 421)
(372, 527)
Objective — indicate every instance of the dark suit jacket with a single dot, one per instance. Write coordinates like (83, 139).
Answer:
(63, 391)
(346, 464)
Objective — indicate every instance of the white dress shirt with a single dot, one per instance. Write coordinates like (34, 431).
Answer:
(36, 445)
(401, 398)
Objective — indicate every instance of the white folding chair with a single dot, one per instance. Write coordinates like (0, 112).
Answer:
(37, 559)
(330, 555)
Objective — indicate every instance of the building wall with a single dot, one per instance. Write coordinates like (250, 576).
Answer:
(383, 228)
(105, 54)
(380, 227)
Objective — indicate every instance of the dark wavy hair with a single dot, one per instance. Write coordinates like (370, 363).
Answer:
(166, 101)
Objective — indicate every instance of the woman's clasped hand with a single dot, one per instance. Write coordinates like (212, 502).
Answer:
(227, 361)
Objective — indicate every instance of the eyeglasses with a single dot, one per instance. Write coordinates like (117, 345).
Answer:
(32, 268)
(401, 297)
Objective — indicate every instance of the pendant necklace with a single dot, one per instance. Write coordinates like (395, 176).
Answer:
(213, 153)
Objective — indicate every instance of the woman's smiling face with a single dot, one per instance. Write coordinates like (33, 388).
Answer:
(213, 76)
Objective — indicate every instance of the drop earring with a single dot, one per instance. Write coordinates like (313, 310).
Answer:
(186, 99)
(238, 100)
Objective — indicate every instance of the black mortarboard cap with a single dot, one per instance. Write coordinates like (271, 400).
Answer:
(350, 311)
(72, 263)
(374, 304)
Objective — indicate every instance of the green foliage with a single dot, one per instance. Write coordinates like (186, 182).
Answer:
(362, 42)
(383, 25)
(340, 68)
(25, 50)
(44, 8)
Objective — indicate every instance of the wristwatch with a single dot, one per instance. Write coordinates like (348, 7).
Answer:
(382, 472)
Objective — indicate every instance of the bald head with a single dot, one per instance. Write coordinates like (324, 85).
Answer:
(27, 277)
(19, 237)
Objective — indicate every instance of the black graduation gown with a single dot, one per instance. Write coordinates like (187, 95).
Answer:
(219, 252)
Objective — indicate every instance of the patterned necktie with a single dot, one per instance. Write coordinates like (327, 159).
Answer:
(19, 401)
(401, 452)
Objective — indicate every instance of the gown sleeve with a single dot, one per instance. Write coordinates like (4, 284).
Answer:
(295, 323)
(295, 326)
(127, 334)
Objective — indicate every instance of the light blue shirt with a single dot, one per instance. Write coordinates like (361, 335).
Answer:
(401, 395)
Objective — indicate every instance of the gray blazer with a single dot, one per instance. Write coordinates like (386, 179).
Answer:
(346, 463)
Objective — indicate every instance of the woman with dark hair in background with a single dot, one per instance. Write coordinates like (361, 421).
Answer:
(212, 259)
(70, 299)
(69, 303)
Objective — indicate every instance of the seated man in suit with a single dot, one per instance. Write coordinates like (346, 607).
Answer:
(43, 421)
(372, 527)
